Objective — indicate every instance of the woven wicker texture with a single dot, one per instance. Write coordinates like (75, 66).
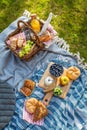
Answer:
(36, 47)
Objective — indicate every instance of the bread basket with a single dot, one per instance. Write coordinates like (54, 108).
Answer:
(36, 47)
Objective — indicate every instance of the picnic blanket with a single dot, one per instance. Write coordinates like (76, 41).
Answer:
(64, 114)
(7, 103)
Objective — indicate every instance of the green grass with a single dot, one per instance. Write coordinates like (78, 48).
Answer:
(70, 18)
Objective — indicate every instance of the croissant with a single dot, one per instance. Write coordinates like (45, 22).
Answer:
(27, 87)
(30, 105)
(29, 84)
(73, 72)
(26, 91)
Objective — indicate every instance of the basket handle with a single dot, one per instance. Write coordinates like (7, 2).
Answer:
(26, 24)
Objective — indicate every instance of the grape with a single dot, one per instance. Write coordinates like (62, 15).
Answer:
(30, 42)
(25, 50)
(21, 54)
(57, 91)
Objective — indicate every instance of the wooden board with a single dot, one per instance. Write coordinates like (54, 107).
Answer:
(65, 88)
(47, 98)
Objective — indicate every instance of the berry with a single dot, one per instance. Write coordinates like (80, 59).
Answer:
(56, 70)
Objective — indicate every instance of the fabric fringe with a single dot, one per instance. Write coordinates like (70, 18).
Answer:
(26, 13)
(61, 43)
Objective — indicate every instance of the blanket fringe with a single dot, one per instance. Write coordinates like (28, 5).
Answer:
(26, 13)
(61, 43)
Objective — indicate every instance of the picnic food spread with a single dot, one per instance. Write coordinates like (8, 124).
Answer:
(62, 82)
(26, 40)
(56, 80)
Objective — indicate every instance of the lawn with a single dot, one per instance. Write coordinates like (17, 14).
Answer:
(70, 18)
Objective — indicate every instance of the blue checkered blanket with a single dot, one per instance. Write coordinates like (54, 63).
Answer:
(64, 114)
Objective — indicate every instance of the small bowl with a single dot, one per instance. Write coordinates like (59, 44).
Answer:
(56, 70)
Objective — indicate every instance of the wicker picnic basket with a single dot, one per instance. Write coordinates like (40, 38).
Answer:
(37, 44)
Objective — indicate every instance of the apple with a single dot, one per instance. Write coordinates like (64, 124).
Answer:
(64, 80)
